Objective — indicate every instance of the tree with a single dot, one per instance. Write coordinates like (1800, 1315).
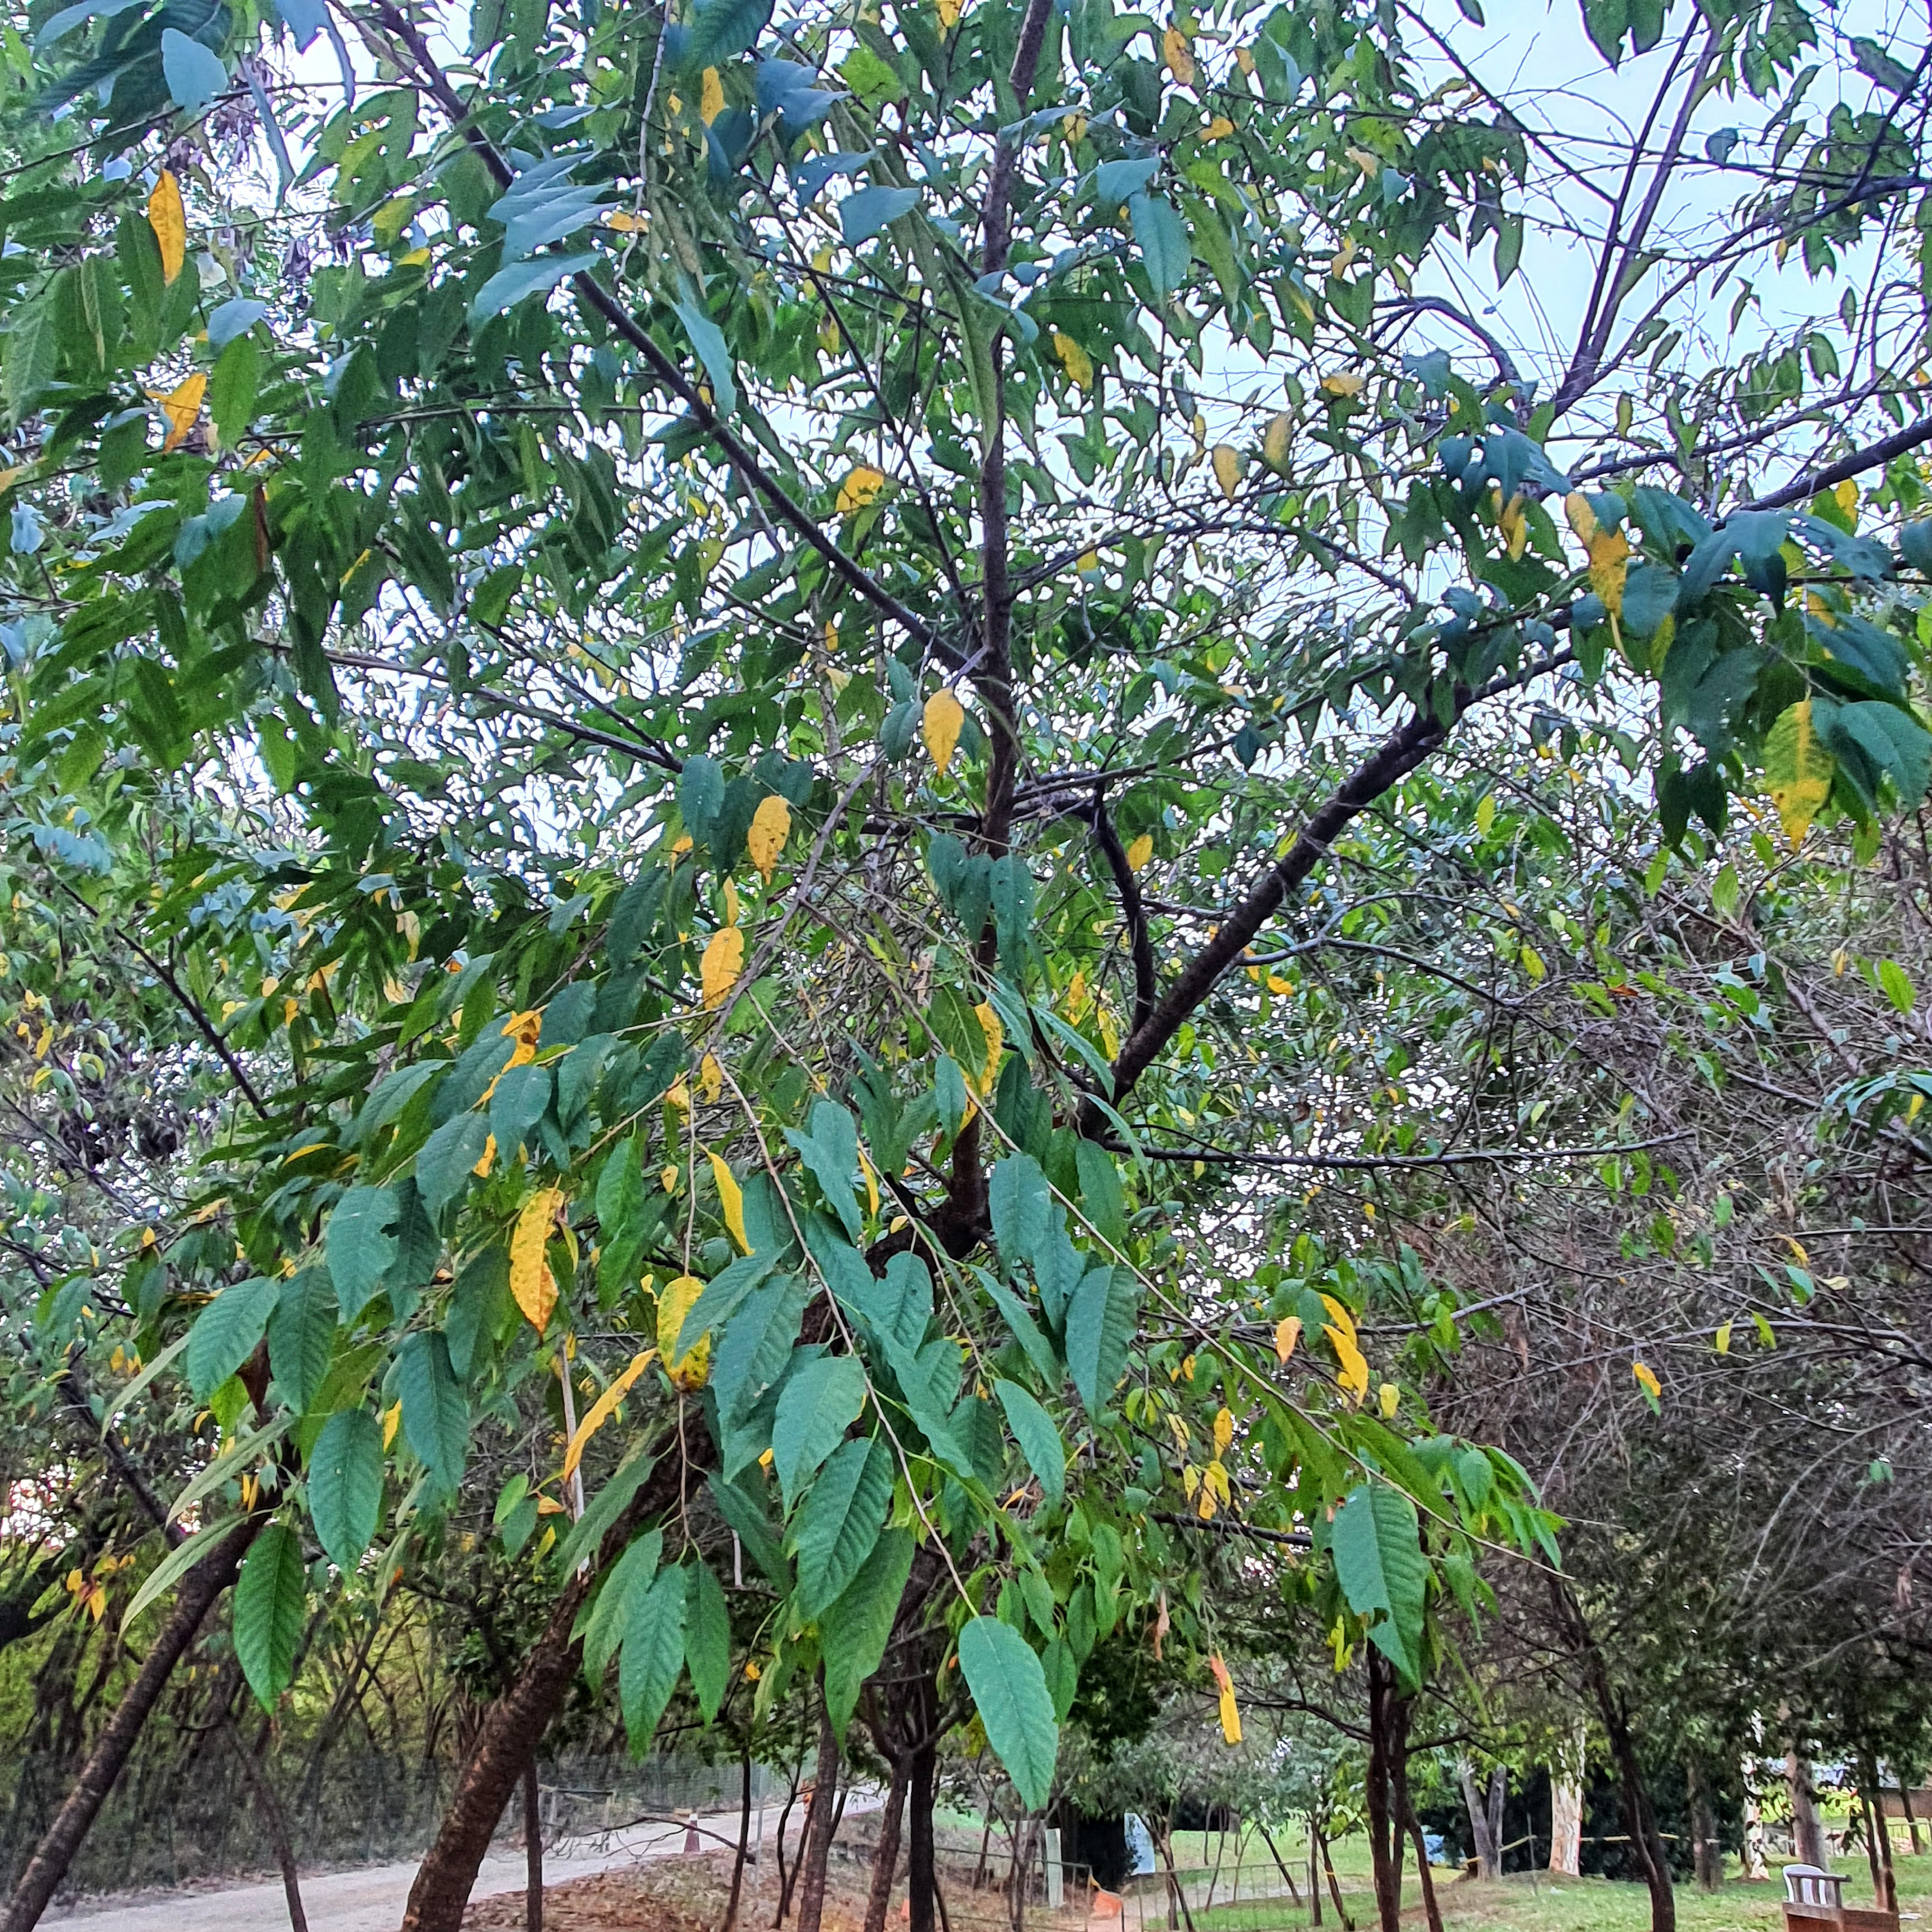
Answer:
(752, 735)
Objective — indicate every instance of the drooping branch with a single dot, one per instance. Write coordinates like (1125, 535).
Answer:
(1147, 988)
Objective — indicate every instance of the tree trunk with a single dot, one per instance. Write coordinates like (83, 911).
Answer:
(1489, 1855)
(1335, 1889)
(1709, 1859)
(1885, 1880)
(1280, 1865)
(1314, 1873)
(885, 1860)
(512, 1728)
(278, 1828)
(1384, 1819)
(824, 1821)
(1433, 1911)
(1911, 1821)
(194, 1597)
(532, 1849)
(919, 1911)
(1566, 1811)
(784, 1883)
(1807, 1829)
(744, 1842)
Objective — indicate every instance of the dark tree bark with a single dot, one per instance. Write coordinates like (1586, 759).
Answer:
(920, 1794)
(272, 1815)
(744, 1841)
(194, 1597)
(1385, 1813)
(1709, 1859)
(1335, 1887)
(1293, 1893)
(1430, 1907)
(1807, 1828)
(784, 1882)
(533, 1882)
(816, 1850)
(1885, 1880)
(1485, 1816)
(885, 1860)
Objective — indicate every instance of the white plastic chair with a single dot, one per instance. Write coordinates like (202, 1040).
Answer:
(1812, 1885)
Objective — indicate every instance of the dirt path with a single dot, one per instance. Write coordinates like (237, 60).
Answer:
(370, 1898)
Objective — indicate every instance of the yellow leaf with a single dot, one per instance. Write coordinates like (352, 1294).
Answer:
(1343, 255)
(1486, 813)
(168, 220)
(1244, 60)
(525, 1027)
(861, 487)
(1180, 57)
(1274, 442)
(667, 1179)
(488, 1160)
(996, 1035)
(1582, 519)
(1797, 770)
(711, 96)
(731, 1199)
(1140, 851)
(871, 1181)
(1846, 497)
(678, 1095)
(710, 1077)
(532, 1287)
(944, 715)
(949, 12)
(1389, 1398)
(1287, 1333)
(1514, 525)
(1227, 469)
(1224, 1430)
(689, 1370)
(1230, 1715)
(724, 961)
(391, 1416)
(182, 405)
(1724, 1338)
(1075, 360)
(1646, 1381)
(730, 903)
(1531, 963)
(1219, 129)
(602, 1409)
(1340, 1330)
(1079, 998)
(1087, 560)
(1342, 384)
(1370, 164)
(622, 221)
(771, 826)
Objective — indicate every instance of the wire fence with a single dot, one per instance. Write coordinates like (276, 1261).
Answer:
(1226, 1897)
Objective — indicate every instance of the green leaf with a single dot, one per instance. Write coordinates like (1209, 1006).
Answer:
(1100, 1194)
(753, 1350)
(606, 1507)
(226, 1332)
(652, 1657)
(435, 1417)
(1161, 235)
(361, 1245)
(345, 1486)
(748, 1523)
(301, 1336)
(1039, 1439)
(853, 1631)
(445, 1161)
(521, 280)
(270, 1598)
(866, 211)
(1021, 1204)
(1896, 984)
(708, 339)
(231, 388)
(1010, 1692)
(1100, 1317)
(816, 1407)
(610, 1608)
(173, 1567)
(831, 1151)
(1383, 1573)
(719, 30)
(707, 1638)
(838, 1523)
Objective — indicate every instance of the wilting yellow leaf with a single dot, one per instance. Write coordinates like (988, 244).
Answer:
(771, 826)
(1342, 256)
(1722, 1338)
(871, 1181)
(1244, 60)
(1340, 1330)
(667, 1178)
(525, 1027)
(689, 1370)
(1087, 560)
(1846, 496)
(488, 1159)
(1219, 129)
(1140, 851)
(724, 961)
(1287, 1333)
(1230, 1715)
(1370, 164)
(710, 1077)
(711, 96)
(940, 728)
(996, 1037)
(1224, 1430)
(1390, 1397)
(731, 1200)
(1342, 384)
(1227, 469)
(1514, 524)
(532, 1287)
(1797, 770)
(1274, 443)
(391, 1416)
(861, 487)
(168, 220)
(1214, 1490)
(1646, 1381)
(949, 11)
(1075, 360)
(602, 1409)
(623, 220)
(182, 405)
(1180, 57)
